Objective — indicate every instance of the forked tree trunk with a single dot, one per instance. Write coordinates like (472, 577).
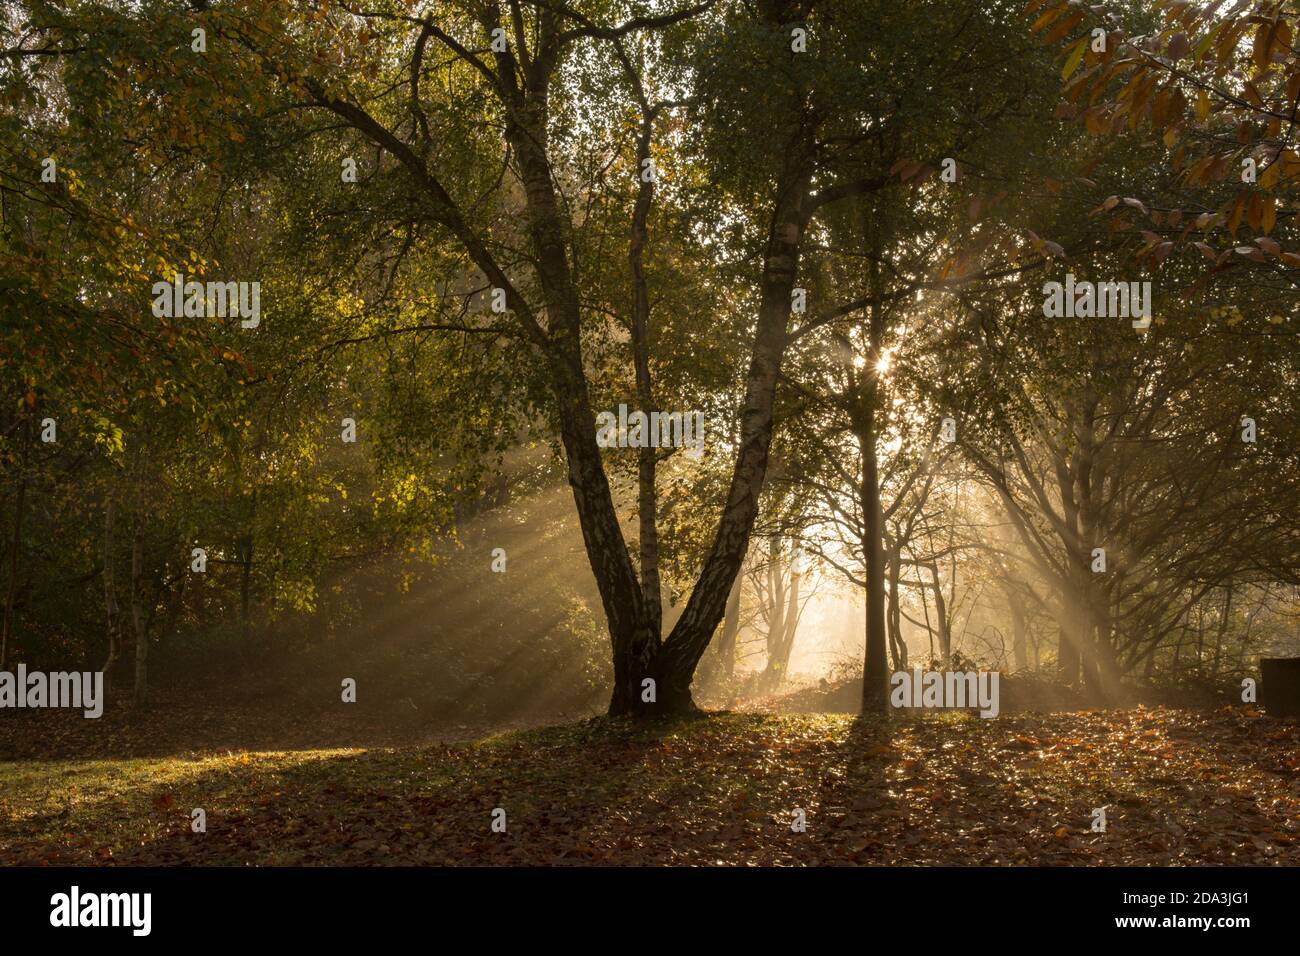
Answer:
(651, 675)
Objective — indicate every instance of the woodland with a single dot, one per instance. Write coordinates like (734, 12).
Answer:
(589, 408)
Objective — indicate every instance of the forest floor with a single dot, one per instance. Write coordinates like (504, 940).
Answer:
(1178, 787)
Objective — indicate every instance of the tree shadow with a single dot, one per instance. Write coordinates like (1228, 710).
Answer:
(854, 795)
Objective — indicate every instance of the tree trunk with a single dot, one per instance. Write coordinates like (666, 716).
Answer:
(775, 600)
(633, 641)
(137, 620)
(647, 498)
(941, 618)
(1108, 667)
(15, 553)
(1075, 654)
(726, 645)
(110, 590)
(1067, 653)
(875, 670)
(783, 622)
(245, 596)
(1019, 638)
(896, 642)
(1218, 638)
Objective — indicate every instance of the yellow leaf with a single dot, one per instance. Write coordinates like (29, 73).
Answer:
(1238, 210)
(1255, 214)
(1271, 175)
(1075, 58)
(1268, 218)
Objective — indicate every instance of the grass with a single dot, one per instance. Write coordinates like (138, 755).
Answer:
(1179, 787)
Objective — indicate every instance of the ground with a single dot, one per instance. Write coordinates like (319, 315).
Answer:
(1179, 787)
